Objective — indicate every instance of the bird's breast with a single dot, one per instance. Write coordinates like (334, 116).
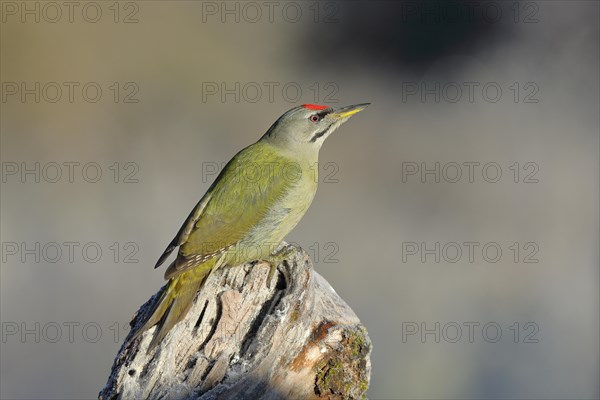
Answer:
(282, 217)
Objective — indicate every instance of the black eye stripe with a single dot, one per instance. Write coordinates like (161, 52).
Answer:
(323, 113)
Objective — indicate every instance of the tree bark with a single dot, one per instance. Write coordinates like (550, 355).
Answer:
(242, 339)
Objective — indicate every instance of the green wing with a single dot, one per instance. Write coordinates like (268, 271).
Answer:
(235, 203)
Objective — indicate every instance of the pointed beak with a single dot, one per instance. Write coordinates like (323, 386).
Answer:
(348, 111)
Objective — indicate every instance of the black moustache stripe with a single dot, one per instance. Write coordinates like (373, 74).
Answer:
(318, 135)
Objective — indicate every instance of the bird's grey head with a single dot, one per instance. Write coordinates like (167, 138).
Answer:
(305, 128)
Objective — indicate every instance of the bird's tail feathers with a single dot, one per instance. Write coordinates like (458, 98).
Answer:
(175, 302)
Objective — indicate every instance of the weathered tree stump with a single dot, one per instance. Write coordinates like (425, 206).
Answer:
(242, 339)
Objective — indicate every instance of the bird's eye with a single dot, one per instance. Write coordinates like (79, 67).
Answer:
(314, 118)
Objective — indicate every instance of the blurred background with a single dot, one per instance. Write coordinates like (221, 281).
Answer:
(457, 216)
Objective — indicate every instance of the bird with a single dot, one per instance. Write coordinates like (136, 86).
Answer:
(256, 200)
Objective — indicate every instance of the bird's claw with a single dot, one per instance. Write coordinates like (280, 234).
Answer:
(277, 258)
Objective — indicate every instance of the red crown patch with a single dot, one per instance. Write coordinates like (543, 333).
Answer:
(314, 107)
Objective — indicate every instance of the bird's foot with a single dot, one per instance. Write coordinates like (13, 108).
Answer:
(277, 258)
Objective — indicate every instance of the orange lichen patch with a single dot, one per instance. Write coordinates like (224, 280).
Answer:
(321, 332)
(311, 353)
